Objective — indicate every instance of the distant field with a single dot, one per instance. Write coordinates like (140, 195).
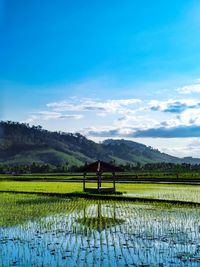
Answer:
(39, 176)
(46, 187)
(154, 191)
(125, 175)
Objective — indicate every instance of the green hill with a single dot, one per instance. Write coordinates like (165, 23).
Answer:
(22, 144)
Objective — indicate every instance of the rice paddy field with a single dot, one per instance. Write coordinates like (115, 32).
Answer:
(51, 231)
(190, 193)
(133, 174)
(42, 230)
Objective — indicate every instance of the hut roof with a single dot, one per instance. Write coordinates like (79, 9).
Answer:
(100, 166)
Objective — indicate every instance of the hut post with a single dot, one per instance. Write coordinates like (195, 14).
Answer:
(84, 175)
(114, 181)
(99, 180)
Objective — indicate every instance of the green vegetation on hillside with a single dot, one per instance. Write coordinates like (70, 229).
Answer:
(21, 144)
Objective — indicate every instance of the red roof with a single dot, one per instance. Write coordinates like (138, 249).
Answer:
(100, 166)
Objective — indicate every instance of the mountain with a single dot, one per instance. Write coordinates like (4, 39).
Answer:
(136, 152)
(23, 144)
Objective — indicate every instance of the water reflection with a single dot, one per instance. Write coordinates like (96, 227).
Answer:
(105, 217)
(105, 234)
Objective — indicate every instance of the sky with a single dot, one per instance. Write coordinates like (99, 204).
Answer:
(107, 69)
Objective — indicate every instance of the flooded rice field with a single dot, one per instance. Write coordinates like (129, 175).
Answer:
(98, 233)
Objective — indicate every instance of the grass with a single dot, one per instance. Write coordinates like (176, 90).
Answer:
(188, 193)
(44, 187)
(30, 177)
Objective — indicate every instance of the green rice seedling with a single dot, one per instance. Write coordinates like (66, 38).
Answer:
(54, 231)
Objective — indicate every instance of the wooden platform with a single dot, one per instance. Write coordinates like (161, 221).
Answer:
(101, 190)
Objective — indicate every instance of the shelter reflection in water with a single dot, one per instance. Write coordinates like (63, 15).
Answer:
(103, 217)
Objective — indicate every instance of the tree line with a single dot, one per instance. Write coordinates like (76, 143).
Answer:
(65, 168)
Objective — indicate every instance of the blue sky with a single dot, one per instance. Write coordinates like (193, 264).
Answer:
(108, 69)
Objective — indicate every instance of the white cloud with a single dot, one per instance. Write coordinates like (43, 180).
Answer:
(188, 89)
(128, 117)
(48, 115)
(143, 121)
(174, 105)
(31, 119)
(91, 105)
(190, 117)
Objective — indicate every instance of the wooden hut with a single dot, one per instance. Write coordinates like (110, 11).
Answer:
(100, 167)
